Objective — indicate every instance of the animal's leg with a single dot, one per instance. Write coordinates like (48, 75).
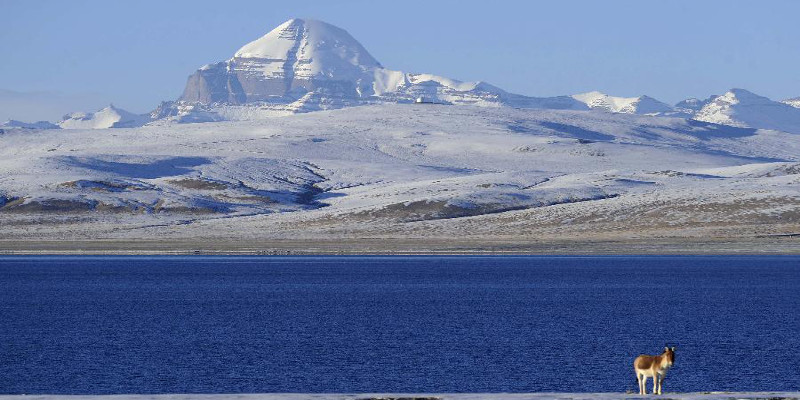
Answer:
(655, 383)
(639, 380)
(660, 383)
(657, 389)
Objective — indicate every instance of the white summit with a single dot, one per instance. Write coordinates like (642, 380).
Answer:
(108, 117)
(304, 49)
(739, 107)
(627, 105)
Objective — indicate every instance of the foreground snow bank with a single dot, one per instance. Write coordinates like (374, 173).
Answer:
(429, 396)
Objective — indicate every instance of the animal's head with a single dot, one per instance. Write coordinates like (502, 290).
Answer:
(669, 353)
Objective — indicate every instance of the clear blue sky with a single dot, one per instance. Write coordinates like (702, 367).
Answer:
(136, 53)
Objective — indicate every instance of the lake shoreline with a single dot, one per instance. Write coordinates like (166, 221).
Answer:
(777, 245)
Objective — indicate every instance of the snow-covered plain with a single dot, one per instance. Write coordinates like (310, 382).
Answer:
(402, 171)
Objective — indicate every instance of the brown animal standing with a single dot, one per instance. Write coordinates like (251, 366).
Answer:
(653, 366)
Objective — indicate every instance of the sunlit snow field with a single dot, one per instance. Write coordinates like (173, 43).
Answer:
(400, 170)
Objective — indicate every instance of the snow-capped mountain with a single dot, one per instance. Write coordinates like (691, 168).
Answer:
(12, 124)
(794, 102)
(741, 108)
(297, 57)
(307, 65)
(108, 117)
(644, 105)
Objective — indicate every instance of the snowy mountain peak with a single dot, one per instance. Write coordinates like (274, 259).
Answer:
(297, 57)
(740, 107)
(736, 96)
(312, 42)
(108, 117)
(627, 105)
(306, 65)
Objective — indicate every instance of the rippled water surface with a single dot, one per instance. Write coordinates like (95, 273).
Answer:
(394, 324)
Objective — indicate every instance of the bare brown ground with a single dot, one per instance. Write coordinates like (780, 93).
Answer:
(755, 245)
(609, 226)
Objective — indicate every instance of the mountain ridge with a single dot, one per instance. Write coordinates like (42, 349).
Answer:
(742, 108)
(306, 65)
(644, 105)
(308, 56)
(107, 117)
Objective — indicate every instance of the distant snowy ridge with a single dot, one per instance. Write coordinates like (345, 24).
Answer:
(307, 65)
(741, 108)
(644, 105)
(12, 124)
(108, 117)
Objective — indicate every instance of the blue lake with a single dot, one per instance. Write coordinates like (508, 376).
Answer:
(95, 325)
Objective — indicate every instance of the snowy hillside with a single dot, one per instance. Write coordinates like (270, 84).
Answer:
(739, 107)
(108, 117)
(644, 105)
(794, 102)
(401, 169)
